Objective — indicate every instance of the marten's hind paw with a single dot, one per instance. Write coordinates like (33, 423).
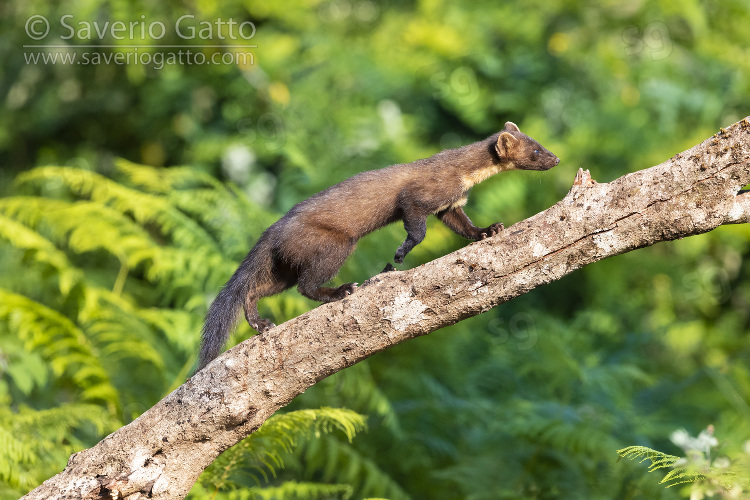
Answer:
(491, 230)
(263, 325)
(345, 290)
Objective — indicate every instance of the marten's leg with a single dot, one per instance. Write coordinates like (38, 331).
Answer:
(457, 220)
(320, 266)
(261, 325)
(279, 279)
(416, 228)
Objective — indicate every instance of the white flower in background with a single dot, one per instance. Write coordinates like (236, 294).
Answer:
(703, 443)
(237, 163)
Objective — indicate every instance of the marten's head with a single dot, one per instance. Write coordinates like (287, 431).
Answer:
(523, 152)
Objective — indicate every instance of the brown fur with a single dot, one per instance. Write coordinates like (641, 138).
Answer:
(309, 244)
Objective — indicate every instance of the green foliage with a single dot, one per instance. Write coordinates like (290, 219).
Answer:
(32, 443)
(708, 476)
(263, 452)
(333, 461)
(103, 279)
(291, 490)
(60, 343)
(661, 460)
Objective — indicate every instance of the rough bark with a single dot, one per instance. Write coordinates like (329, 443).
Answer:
(162, 453)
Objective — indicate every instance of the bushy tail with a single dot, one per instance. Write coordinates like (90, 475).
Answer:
(222, 316)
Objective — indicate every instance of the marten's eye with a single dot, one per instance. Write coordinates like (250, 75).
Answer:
(536, 151)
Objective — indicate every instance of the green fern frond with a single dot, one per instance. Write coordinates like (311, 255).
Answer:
(26, 370)
(292, 490)
(173, 323)
(726, 479)
(340, 463)
(681, 472)
(116, 220)
(146, 209)
(60, 342)
(281, 433)
(681, 475)
(152, 339)
(561, 427)
(264, 449)
(659, 460)
(204, 199)
(320, 421)
(358, 388)
(29, 210)
(84, 227)
(42, 250)
(60, 422)
(12, 451)
(104, 228)
(289, 490)
(116, 327)
(184, 271)
(36, 443)
(164, 181)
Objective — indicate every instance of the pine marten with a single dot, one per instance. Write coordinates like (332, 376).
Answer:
(308, 245)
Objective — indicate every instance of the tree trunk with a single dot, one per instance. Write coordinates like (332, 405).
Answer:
(162, 453)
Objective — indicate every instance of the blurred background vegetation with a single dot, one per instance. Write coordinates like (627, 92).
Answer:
(129, 193)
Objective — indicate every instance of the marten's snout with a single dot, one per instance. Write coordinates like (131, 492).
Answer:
(549, 162)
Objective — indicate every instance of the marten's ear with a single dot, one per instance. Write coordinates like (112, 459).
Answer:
(506, 143)
(511, 127)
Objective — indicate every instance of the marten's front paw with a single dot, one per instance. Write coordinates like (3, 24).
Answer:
(491, 230)
(344, 290)
(399, 258)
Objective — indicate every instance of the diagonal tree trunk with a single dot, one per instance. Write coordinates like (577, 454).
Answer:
(162, 453)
